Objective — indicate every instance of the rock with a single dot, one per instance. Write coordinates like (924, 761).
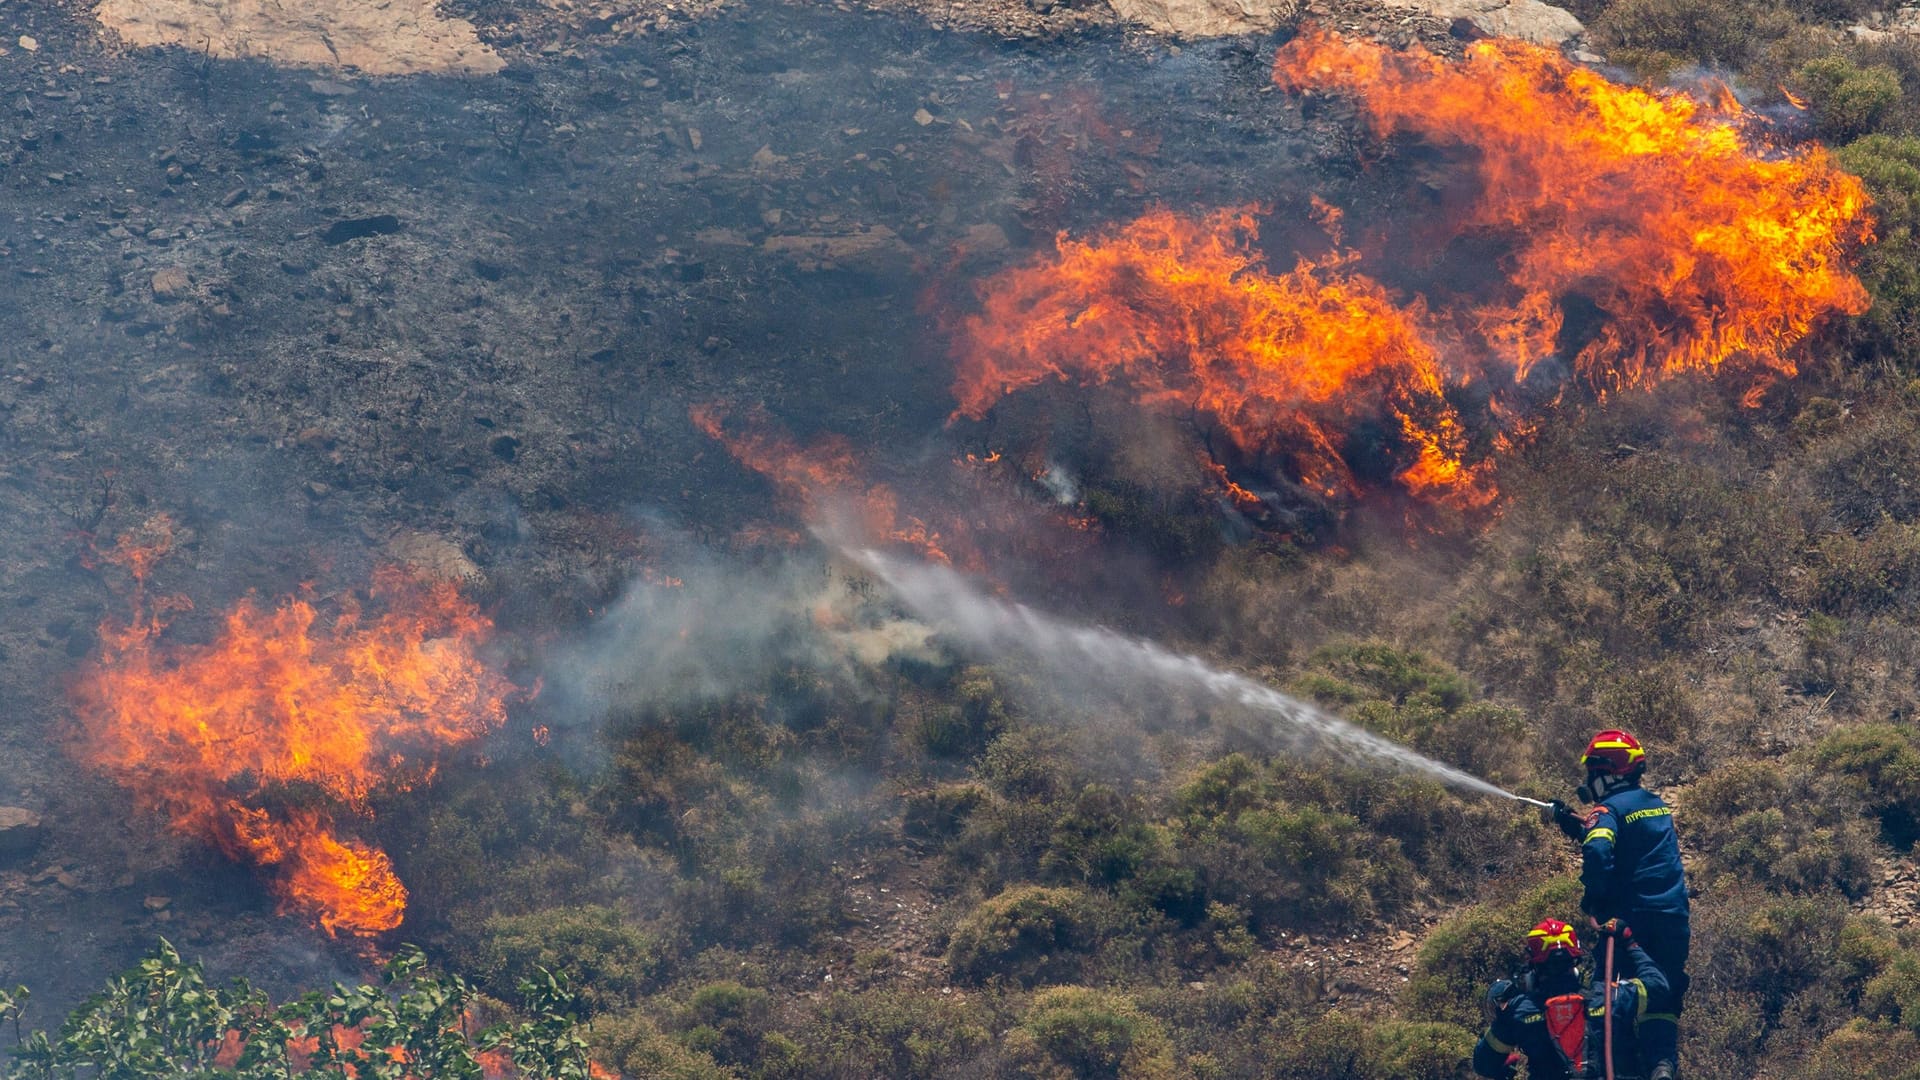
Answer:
(435, 557)
(379, 37)
(984, 239)
(1207, 18)
(354, 228)
(156, 903)
(235, 198)
(1529, 20)
(171, 284)
(29, 44)
(873, 247)
(922, 117)
(20, 833)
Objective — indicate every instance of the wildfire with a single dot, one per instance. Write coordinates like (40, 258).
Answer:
(1181, 312)
(259, 739)
(824, 478)
(1698, 242)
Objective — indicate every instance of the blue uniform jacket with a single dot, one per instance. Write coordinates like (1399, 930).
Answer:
(1520, 1024)
(1630, 858)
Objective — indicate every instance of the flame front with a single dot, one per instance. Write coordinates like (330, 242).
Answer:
(1180, 310)
(1698, 242)
(257, 740)
(1697, 245)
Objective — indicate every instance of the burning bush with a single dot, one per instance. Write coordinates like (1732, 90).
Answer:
(1699, 243)
(261, 740)
(1179, 311)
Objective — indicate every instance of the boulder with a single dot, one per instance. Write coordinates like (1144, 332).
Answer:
(379, 37)
(171, 283)
(1528, 20)
(20, 833)
(1206, 18)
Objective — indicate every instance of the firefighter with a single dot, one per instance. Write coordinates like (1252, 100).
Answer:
(1558, 1022)
(1630, 866)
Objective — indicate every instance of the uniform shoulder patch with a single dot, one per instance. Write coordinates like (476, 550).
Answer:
(1593, 816)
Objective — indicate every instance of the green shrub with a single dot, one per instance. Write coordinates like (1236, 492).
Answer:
(1734, 815)
(904, 1034)
(1894, 994)
(1392, 674)
(1890, 167)
(1651, 702)
(1466, 953)
(942, 812)
(1776, 954)
(162, 1020)
(1864, 1050)
(1847, 100)
(730, 1023)
(1293, 866)
(1869, 573)
(1100, 838)
(1880, 764)
(1786, 852)
(632, 1044)
(1027, 934)
(1073, 1033)
(1227, 786)
(613, 961)
(1659, 35)
(1408, 1050)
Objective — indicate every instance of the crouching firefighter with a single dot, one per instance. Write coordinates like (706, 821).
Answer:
(1569, 1028)
(1630, 866)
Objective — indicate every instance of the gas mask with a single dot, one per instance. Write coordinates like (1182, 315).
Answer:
(1599, 786)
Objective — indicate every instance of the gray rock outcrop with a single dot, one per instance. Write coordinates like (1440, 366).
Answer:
(1529, 20)
(20, 833)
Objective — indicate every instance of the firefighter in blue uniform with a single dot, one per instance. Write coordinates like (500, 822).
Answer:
(1557, 1021)
(1630, 856)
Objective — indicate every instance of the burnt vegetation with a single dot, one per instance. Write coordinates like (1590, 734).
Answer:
(809, 877)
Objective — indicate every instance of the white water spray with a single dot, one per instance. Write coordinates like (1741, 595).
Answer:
(940, 596)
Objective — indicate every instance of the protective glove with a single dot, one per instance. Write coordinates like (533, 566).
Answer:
(1616, 930)
(1569, 822)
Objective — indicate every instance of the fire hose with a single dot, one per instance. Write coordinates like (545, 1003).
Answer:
(1606, 1009)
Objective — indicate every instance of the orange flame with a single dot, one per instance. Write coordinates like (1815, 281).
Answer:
(820, 477)
(1698, 242)
(1698, 245)
(254, 740)
(1180, 311)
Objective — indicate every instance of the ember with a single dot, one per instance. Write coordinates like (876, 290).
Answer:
(290, 706)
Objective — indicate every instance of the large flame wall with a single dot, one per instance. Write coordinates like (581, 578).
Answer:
(1700, 245)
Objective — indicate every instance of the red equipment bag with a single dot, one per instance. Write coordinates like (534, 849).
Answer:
(1567, 1024)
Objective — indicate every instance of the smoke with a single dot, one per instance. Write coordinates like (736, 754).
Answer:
(699, 626)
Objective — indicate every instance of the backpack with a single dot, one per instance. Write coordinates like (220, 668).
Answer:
(1576, 1024)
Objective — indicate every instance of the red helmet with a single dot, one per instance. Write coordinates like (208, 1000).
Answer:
(1550, 939)
(1615, 753)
